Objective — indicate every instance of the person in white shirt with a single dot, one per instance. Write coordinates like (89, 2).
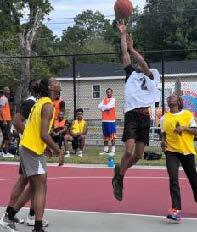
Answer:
(141, 91)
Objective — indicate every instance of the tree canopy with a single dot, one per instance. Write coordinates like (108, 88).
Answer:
(168, 24)
(162, 25)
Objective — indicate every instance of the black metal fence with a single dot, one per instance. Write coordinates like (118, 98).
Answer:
(87, 76)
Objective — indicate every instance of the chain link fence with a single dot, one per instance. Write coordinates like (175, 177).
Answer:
(86, 77)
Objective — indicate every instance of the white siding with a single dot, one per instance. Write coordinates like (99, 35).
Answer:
(86, 101)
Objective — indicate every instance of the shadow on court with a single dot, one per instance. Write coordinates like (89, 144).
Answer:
(63, 221)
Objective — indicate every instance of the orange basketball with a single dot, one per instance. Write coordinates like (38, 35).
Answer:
(123, 9)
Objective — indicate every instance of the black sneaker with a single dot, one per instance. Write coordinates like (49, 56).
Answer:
(18, 220)
(117, 183)
(40, 230)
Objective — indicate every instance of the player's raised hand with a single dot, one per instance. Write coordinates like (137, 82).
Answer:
(121, 26)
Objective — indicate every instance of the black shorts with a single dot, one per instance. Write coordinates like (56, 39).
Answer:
(5, 128)
(76, 142)
(136, 126)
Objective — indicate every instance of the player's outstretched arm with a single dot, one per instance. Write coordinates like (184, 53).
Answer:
(123, 36)
(140, 60)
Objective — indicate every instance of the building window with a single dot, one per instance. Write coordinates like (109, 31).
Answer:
(96, 91)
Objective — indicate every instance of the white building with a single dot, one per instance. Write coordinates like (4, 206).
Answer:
(93, 79)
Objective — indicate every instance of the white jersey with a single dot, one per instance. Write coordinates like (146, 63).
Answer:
(140, 91)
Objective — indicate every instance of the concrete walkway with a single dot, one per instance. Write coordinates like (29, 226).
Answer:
(68, 221)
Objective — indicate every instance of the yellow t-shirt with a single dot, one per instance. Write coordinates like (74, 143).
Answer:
(31, 138)
(183, 143)
(78, 126)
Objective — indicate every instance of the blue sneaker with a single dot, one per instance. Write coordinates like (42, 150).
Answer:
(174, 216)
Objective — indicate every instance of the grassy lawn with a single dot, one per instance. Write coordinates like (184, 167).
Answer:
(91, 156)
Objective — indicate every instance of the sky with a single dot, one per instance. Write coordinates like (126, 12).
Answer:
(65, 10)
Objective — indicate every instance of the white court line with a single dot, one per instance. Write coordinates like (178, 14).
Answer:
(90, 166)
(104, 177)
(123, 214)
(109, 177)
(119, 214)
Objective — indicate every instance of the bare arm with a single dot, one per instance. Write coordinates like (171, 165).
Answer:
(191, 130)
(127, 45)
(71, 133)
(163, 141)
(19, 122)
(63, 131)
(123, 36)
(47, 115)
(1, 112)
(85, 129)
(140, 60)
(163, 135)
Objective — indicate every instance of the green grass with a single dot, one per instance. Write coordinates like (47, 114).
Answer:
(91, 156)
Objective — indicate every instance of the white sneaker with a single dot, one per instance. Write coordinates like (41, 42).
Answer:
(111, 154)
(8, 155)
(3, 220)
(30, 221)
(80, 153)
(8, 224)
(103, 153)
(67, 154)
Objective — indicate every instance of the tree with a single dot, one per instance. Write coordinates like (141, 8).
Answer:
(97, 45)
(112, 35)
(12, 13)
(46, 43)
(9, 68)
(169, 24)
(88, 35)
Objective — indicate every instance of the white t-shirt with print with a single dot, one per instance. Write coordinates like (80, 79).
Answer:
(140, 91)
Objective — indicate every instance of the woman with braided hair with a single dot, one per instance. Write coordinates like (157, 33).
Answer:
(178, 129)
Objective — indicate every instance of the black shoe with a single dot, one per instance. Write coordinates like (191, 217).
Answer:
(117, 183)
(40, 230)
(18, 220)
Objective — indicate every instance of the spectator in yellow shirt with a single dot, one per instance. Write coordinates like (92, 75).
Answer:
(78, 131)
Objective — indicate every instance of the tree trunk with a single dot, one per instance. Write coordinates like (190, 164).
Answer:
(22, 88)
(26, 38)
